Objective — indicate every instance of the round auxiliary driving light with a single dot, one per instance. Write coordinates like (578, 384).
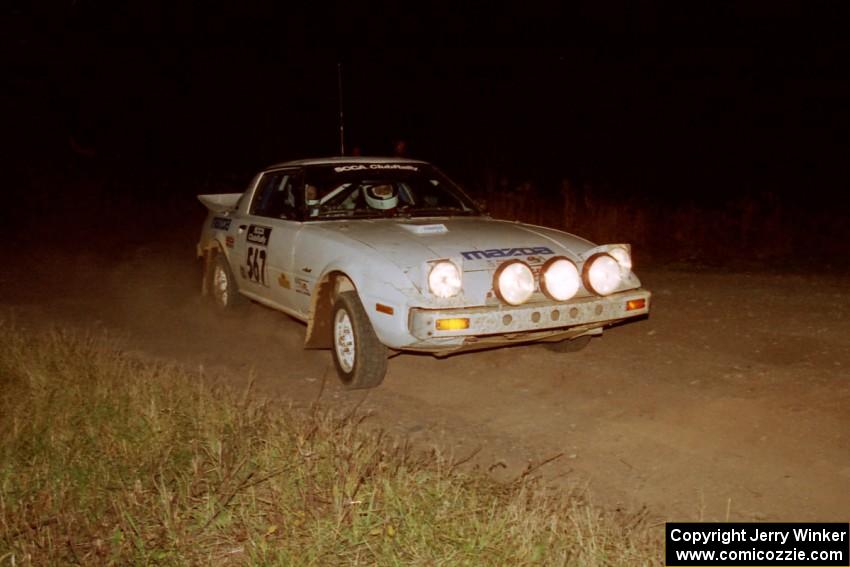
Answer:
(602, 274)
(514, 282)
(560, 279)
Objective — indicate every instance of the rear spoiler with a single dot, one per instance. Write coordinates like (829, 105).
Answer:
(221, 202)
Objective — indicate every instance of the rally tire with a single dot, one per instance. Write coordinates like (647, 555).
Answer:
(569, 345)
(222, 289)
(359, 357)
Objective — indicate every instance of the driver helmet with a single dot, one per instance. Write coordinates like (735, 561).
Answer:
(382, 197)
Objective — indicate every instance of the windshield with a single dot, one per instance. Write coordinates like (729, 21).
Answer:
(379, 190)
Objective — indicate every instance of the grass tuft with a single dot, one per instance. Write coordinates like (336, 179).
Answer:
(105, 459)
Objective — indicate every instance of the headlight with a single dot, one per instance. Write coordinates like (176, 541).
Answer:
(514, 282)
(602, 274)
(622, 256)
(444, 279)
(560, 279)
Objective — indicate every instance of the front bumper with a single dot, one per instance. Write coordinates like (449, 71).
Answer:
(504, 324)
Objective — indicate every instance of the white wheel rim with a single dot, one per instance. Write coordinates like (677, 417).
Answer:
(220, 285)
(344, 340)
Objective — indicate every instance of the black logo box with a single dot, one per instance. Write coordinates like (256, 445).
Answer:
(259, 234)
(791, 539)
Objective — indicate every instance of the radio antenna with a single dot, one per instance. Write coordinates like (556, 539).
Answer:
(341, 120)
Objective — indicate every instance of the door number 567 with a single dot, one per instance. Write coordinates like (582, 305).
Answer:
(257, 265)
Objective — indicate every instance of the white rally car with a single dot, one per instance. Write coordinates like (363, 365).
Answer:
(380, 254)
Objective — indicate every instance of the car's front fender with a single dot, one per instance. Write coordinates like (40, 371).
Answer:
(385, 292)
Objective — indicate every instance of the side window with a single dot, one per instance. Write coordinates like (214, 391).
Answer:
(275, 195)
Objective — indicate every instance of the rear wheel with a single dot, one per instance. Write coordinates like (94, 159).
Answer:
(360, 358)
(222, 289)
(569, 345)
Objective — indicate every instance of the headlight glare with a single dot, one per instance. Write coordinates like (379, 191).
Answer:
(602, 274)
(622, 256)
(444, 279)
(514, 282)
(560, 279)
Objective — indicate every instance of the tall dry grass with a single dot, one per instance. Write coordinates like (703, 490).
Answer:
(107, 460)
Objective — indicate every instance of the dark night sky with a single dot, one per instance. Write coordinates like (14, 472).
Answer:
(640, 96)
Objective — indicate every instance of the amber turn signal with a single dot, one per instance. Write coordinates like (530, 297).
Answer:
(452, 324)
(381, 308)
(633, 304)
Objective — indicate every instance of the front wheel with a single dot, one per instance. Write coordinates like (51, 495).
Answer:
(360, 358)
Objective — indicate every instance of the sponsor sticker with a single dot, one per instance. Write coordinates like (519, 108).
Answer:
(505, 252)
(259, 234)
(221, 223)
(374, 166)
(425, 228)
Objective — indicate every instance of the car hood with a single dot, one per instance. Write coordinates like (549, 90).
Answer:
(475, 243)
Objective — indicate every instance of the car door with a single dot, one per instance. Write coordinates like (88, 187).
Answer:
(267, 234)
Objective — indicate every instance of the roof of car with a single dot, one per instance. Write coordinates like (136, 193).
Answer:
(345, 159)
